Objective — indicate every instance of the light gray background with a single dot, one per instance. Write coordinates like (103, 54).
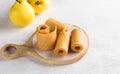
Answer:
(99, 18)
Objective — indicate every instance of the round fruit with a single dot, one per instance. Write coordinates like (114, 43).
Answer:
(39, 5)
(21, 13)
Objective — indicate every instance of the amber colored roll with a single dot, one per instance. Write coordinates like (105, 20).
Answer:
(77, 40)
(62, 45)
(43, 29)
(52, 22)
(46, 37)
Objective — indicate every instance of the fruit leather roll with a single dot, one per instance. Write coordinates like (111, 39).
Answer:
(46, 37)
(52, 22)
(77, 40)
(43, 29)
(62, 45)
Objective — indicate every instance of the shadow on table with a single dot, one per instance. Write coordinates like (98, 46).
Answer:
(5, 23)
(1, 59)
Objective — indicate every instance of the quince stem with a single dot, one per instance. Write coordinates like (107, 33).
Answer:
(18, 1)
(21, 1)
(38, 2)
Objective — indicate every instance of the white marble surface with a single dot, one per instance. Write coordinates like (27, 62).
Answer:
(101, 20)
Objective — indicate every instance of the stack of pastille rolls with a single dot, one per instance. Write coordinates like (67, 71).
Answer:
(55, 35)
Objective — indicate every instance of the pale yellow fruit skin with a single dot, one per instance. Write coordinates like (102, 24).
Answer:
(21, 14)
(39, 8)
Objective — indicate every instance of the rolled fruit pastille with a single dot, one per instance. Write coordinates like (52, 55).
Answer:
(52, 22)
(46, 37)
(43, 29)
(62, 45)
(77, 40)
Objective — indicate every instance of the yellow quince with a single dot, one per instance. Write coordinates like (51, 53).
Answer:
(39, 5)
(21, 13)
